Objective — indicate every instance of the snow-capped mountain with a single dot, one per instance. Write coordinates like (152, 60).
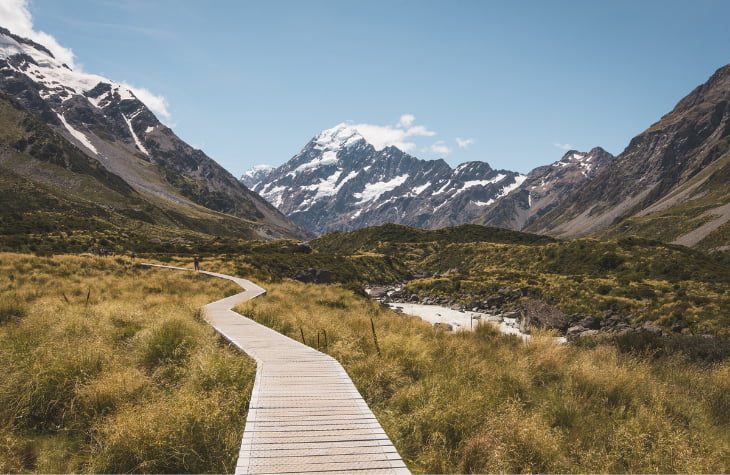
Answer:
(107, 122)
(256, 174)
(544, 188)
(339, 181)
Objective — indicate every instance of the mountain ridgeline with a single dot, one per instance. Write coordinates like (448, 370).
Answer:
(339, 181)
(80, 152)
(671, 183)
(92, 148)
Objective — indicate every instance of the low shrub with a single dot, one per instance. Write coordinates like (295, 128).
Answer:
(11, 307)
(130, 379)
(181, 433)
(168, 342)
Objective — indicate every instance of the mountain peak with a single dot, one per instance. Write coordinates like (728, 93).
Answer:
(255, 174)
(113, 131)
(338, 137)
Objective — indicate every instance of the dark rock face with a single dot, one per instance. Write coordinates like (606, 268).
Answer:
(544, 188)
(341, 182)
(107, 122)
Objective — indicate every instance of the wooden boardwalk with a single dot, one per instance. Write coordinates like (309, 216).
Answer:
(305, 413)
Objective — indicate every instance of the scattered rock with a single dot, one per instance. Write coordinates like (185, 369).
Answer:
(444, 326)
(378, 292)
(591, 323)
(495, 300)
(574, 332)
(314, 276)
(648, 327)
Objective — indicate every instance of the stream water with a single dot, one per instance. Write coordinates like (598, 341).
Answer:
(461, 320)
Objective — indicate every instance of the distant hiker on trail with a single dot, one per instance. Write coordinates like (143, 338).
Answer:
(196, 261)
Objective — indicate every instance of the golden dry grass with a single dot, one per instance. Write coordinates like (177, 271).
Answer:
(108, 368)
(484, 403)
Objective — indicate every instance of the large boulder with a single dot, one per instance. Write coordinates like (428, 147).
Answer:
(536, 313)
(591, 323)
(650, 328)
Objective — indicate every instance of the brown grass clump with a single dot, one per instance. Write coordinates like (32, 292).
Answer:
(109, 368)
(479, 402)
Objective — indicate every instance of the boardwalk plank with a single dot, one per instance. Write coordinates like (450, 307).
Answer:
(305, 415)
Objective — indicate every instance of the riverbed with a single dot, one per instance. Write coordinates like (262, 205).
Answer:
(461, 320)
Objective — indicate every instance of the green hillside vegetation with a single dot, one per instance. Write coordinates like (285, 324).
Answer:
(376, 237)
(479, 402)
(110, 369)
(638, 279)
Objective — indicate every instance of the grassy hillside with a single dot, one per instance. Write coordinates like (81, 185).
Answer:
(50, 186)
(637, 279)
(478, 402)
(110, 369)
(376, 237)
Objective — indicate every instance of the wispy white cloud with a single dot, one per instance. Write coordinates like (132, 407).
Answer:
(399, 135)
(464, 143)
(564, 146)
(156, 103)
(16, 17)
(406, 120)
(440, 148)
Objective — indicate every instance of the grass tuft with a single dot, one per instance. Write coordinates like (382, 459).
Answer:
(130, 379)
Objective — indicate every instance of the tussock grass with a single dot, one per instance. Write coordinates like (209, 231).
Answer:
(108, 368)
(480, 402)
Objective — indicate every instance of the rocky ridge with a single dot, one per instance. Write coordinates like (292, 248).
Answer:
(107, 122)
(670, 183)
(544, 188)
(513, 304)
(339, 181)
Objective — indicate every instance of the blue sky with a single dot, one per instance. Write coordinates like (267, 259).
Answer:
(513, 83)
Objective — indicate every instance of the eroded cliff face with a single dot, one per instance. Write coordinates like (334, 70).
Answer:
(545, 188)
(673, 173)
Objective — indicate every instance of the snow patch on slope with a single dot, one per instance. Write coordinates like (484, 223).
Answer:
(519, 180)
(373, 191)
(136, 139)
(472, 183)
(78, 135)
(328, 158)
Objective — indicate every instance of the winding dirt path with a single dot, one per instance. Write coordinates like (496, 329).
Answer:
(305, 413)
